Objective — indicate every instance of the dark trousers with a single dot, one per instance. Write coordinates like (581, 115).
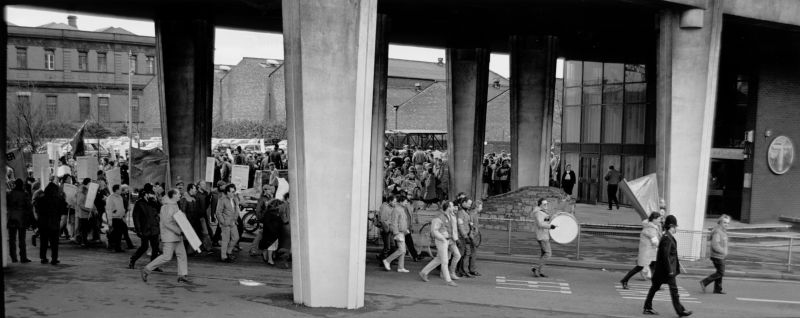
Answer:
(638, 269)
(96, 225)
(612, 195)
(673, 293)
(84, 226)
(467, 250)
(410, 246)
(126, 235)
(716, 277)
(153, 241)
(115, 237)
(386, 237)
(16, 235)
(49, 238)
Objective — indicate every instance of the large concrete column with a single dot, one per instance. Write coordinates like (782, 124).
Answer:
(467, 84)
(329, 50)
(185, 72)
(3, 163)
(688, 72)
(533, 75)
(379, 113)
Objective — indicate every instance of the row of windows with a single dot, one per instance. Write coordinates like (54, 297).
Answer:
(83, 61)
(84, 105)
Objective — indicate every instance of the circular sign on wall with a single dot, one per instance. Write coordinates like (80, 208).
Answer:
(780, 155)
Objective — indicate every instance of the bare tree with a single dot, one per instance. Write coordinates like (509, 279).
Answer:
(27, 118)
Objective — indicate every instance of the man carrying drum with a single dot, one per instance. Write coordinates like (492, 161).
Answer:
(542, 229)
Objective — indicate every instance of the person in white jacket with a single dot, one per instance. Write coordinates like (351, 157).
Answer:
(171, 239)
(648, 246)
(115, 211)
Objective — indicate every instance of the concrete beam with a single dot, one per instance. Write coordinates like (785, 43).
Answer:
(329, 50)
(3, 163)
(467, 84)
(186, 72)
(379, 113)
(533, 74)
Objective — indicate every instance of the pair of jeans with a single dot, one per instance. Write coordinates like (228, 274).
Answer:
(410, 246)
(115, 238)
(612, 195)
(673, 293)
(545, 255)
(152, 240)
(171, 248)
(399, 253)
(49, 238)
(716, 277)
(440, 260)
(230, 236)
(16, 235)
(84, 226)
(467, 263)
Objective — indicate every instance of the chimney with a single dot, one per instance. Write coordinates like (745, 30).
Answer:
(73, 21)
(440, 62)
(417, 86)
(496, 83)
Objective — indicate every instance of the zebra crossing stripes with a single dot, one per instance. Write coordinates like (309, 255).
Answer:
(639, 292)
(533, 285)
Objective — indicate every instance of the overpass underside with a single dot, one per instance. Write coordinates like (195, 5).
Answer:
(336, 55)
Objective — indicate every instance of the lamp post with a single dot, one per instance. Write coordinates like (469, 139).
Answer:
(396, 107)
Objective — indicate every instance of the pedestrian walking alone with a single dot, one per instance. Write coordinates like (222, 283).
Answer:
(171, 238)
(648, 246)
(719, 249)
(613, 177)
(667, 269)
(542, 229)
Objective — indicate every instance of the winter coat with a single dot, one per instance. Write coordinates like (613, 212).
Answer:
(648, 243)
(719, 242)
(19, 205)
(50, 210)
(667, 264)
(170, 231)
(542, 224)
(146, 218)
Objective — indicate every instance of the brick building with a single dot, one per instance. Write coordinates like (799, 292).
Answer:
(70, 75)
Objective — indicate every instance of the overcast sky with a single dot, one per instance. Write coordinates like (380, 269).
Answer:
(231, 45)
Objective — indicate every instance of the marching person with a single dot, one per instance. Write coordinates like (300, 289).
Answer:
(465, 244)
(146, 223)
(115, 208)
(19, 205)
(613, 177)
(667, 269)
(648, 246)
(719, 249)
(474, 234)
(399, 229)
(441, 232)
(543, 227)
(384, 222)
(51, 211)
(171, 238)
(227, 211)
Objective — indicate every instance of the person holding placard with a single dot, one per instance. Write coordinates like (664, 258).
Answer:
(83, 213)
(171, 239)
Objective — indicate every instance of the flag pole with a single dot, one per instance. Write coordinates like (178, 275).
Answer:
(130, 118)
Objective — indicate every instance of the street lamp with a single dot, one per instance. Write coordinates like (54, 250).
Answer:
(396, 107)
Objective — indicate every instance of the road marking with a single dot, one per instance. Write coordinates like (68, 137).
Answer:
(639, 292)
(770, 300)
(533, 285)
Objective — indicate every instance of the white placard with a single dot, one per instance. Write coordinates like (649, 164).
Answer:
(91, 194)
(283, 188)
(87, 167)
(70, 190)
(210, 163)
(113, 177)
(240, 176)
(41, 167)
(53, 150)
(187, 230)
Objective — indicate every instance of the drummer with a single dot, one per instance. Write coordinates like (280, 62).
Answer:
(542, 229)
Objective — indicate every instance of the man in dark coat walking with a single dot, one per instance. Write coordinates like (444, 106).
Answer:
(146, 224)
(667, 269)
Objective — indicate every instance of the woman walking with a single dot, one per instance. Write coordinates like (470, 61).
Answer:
(51, 211)
(171, 239)
(648, 246)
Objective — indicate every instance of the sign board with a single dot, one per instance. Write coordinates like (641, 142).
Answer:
(113, 177)
(41, 167)
(283, 188)
(187, 230)
(780, 155)
(240, 176)
(210, 162)
(259, 178)
(91, 194)
(70, 190)
(53, 150)
(87, 167)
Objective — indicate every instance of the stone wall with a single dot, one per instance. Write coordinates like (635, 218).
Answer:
(518, 205)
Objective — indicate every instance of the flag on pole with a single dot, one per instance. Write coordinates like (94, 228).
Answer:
(16, 161)
(643, 192)
(78, 148)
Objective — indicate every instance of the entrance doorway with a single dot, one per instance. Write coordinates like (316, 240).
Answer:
(589, 178)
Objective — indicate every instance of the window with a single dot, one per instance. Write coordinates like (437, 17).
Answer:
(133, 64)
(102, 62)
(24, 100)
(135, 109)
(52, 107)
(83, 104)
(83, 60)
(102, 109)
(22, 57)
(151, 65)
(50, 59)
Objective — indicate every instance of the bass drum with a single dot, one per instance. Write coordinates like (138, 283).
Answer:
(567, 228)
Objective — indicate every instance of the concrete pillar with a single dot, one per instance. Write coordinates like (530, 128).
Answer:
(467, 84)
(533, 75)
(185, 72)
(329, 50)
(379, 113)
(3, 163)
(688, 72)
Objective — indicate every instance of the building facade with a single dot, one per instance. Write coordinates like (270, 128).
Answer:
(69, 76)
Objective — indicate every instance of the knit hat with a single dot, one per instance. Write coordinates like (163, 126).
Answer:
(670, 222)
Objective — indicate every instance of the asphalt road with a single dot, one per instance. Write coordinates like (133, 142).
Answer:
(95, 283)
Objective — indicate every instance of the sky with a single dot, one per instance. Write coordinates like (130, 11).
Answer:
(231, 45)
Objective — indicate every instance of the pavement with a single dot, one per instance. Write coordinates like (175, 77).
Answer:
(92, 282)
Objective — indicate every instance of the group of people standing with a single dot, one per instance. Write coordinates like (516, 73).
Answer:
(416, 174)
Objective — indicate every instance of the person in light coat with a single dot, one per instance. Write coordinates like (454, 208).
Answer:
(171, 238)
(648, 247)
(399, 228)
(542, 231)
(719, 249)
